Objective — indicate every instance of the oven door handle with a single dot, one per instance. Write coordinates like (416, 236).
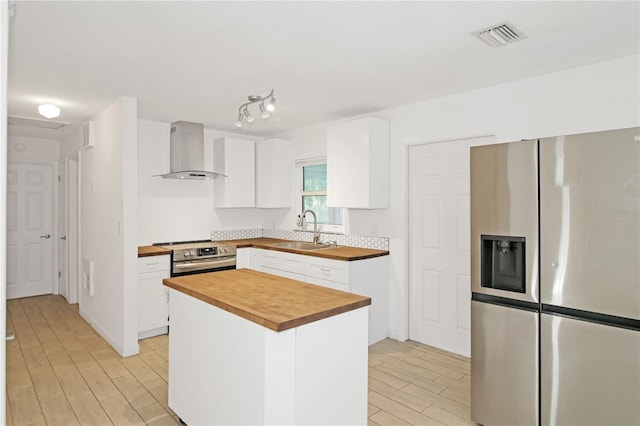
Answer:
(205, 264)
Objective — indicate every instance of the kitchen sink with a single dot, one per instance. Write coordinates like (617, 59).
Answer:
(302, 245)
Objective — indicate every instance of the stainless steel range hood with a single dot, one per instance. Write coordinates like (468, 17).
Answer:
(187, 152)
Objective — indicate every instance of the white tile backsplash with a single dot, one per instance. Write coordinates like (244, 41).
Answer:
(376, 243)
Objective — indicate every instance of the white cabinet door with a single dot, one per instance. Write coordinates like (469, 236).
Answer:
(153, 296)
(236, 159)
(243, 258)
(274, 173)
(358, 164)
(153, 301)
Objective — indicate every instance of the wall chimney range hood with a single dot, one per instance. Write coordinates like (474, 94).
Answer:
(186, 159)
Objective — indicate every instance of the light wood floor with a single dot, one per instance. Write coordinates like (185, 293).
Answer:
(60, 372)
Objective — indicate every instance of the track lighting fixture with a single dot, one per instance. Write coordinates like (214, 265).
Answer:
(266, 104)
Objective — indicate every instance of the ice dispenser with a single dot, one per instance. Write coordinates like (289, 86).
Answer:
(502, 262)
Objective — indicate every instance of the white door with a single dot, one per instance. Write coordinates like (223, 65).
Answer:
(30, 229)
(67, 230)
(63, 276)
(439, 254)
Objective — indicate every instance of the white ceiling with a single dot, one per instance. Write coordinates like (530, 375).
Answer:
(198, 61)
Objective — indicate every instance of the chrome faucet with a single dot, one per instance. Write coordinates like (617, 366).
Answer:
(316, 234)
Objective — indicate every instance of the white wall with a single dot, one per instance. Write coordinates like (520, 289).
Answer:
(108, 225)
(596, 97)
(72, 143)
(178, 210)
(23, 148)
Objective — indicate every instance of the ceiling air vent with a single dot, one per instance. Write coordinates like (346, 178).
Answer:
(14, 120)
(500, 35)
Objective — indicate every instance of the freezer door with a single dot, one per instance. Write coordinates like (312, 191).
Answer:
(590, 373)
(504, 365)
(504, 202)
(590, 222)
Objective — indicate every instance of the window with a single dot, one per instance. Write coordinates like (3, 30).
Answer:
(314, 197)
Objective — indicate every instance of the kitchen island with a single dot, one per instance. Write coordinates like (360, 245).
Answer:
(246, 347)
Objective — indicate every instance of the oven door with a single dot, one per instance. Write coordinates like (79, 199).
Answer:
(201, 266)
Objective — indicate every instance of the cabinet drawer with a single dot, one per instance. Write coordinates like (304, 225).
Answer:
(328, 283)
(293, 263)
(154, 263)
(282, 261)
(327, 269)
(269, 259)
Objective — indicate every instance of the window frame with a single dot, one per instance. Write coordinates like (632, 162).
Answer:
(322, 227)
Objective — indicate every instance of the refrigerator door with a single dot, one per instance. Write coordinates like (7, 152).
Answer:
(590, 373)
(590, 222)
(504, 202)
(504, 365)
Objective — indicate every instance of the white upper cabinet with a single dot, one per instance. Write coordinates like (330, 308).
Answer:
(358, 164)
(236, 159)
(274, 170)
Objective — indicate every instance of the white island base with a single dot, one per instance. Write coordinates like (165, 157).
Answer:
(227, 370)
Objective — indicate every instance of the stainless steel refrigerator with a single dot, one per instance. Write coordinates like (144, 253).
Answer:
(555, 281)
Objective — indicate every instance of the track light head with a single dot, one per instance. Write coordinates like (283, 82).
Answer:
(271, 104)
(263, 112)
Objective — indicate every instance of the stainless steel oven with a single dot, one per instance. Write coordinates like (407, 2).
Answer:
(198, 257)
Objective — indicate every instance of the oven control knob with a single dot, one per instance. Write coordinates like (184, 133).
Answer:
(186, 252)
(193, 252)
(223, 249)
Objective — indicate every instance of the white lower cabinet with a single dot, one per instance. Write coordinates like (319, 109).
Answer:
(282, 264)
(368, 277)
(243, 258)
(153, 296)
(227, 370)
(328, 269)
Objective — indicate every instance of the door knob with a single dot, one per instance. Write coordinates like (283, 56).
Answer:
(64, 237)
(47, 236)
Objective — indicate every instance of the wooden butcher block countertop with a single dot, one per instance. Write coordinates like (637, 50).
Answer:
(144, 251)
(336, 253)
(273, 302)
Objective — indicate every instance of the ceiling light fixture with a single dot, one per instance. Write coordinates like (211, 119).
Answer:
(49, 110)
(266, 104)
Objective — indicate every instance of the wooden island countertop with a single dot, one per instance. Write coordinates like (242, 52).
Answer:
(271, 301)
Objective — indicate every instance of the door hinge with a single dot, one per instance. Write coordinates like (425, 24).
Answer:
(59, 274)
(59, 178)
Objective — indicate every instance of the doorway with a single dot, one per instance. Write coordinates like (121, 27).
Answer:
(31, 232)
(439, 244)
